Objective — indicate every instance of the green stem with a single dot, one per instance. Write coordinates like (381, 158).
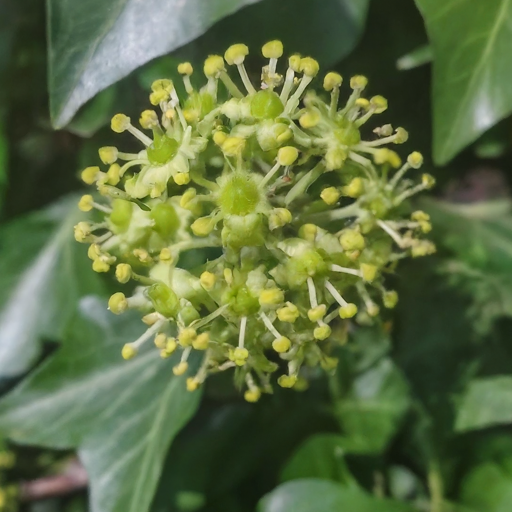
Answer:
(435, 486)
(352, 210)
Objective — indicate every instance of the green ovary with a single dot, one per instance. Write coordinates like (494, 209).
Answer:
(239, 195)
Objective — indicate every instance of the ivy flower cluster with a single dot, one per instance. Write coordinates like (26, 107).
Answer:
(303, 217)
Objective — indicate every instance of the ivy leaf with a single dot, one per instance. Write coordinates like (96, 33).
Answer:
(313, 495)
(470, 41)
(121, 416)
(486, 402)
(43, 274)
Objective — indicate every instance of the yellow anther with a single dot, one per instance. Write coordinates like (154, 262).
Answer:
(165, 255)
(148, 119)
(272, 296)
(390, 299)
(239, 355)
(201, 341)
(287, 155)
(358, 82)
(118, 303)
(94, 251)
(308, 232)
(186, 200)
(309, 66)
(180, 368)
(362, 103)
(352, 240)
(329, 363)
(425, 226)
(330, 195)
(114, 174)
(142, 255)
(108, 154)
(233, 146)
(192, 384)
(354, 189)
(151, 318)
(90, 175)
(187, 336)
(317, 313)
(415, 160)
(185, 68)
(322, 332)
(294, 62)
(207, 280)
(160, 340)
(272, 49)
(427, 180)
(348, 311)
(191, 115)
(401, 135)
(213, 65)
(155, 98)
(287, 381)
(128, 351)
(82, 232)
(182, 178)
(171, 346)
(120, 123)
(420, 215)
(86, 203)
(228, 275)
(289, 313)
(100, 266)
(123, 272)
(422, 248)
(369, 272)
(379, 104)
(309, 119)
(202, 226)
(279, 217)
(162, 84)
(236, 54)
(219, 137)
(373, 309)
(332, 80)
(252, 395)
(281, 344)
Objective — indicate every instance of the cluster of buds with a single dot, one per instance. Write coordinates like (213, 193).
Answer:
(301, 216)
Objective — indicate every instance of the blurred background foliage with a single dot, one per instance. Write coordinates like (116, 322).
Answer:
(418, 417)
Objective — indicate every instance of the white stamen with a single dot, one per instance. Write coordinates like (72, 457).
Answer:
(339, 299)
(269, 325)
(346, 270)
(241, 335)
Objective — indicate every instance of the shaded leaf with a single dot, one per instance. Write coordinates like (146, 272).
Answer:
(470, 41)
(486, 402)
(313, 495)
(43, 274)
(121, 416)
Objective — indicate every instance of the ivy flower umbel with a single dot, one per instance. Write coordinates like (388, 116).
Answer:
(307, 209)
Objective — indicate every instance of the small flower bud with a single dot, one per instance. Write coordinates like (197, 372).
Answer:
(118, 303)
(287, 155)
(358, 82)
(369, 272)
(294, 62)
(114, 174)
(422, 248)
(86, 203)
(330, 195)
(100, 266)
(373, 309)
(252, 395)
(187, 198)
(281, 344)
(123, 272)
(94, 252)
(182, 178)
(335, 158)
(322, 332)
(128, 351)
(390, 299)
(354, 189)
(82, 232)
(420, 215)
(185, 68)
(165, 255)
(271, 297)
(192, 384)
(427, 180)
(90, 174)
(180, 368)
(236, 54)
(233, 146)
(317, 313)
(202, 226)
(272, 49)
(187, 336)
(332, 80)
(308, 232)
(379, 104)
(348, 311)
(287, 381)
(207, 280)
(108, 154)
(120, 123)
(213, 65)
(289, 313)
(401, 136)
(384, 131)
(352, 240)
(148, 119)
(201, 341)
(329, 363)
(151, 318)
(309, 119)
(309, 66)
(170, 346)
(160, 340)
(415, 160)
